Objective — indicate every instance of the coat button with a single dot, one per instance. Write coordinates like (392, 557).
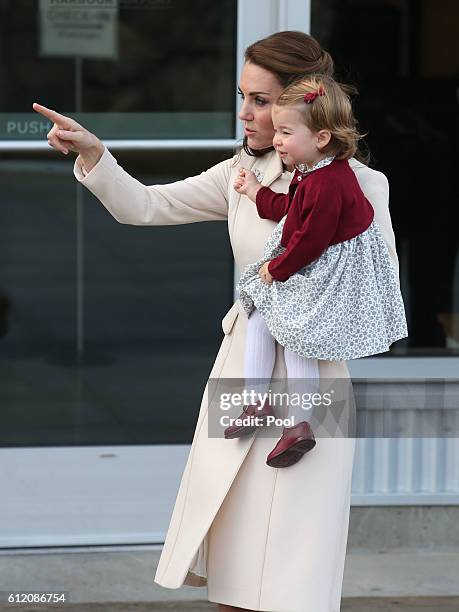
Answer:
(299, 178)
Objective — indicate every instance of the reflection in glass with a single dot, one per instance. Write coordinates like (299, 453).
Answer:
(152, 303)
(403, 58)
(155, 69)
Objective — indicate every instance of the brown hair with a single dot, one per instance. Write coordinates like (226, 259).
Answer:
(289, 56)
(330, 111)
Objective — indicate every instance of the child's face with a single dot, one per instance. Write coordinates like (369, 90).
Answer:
(294, 142)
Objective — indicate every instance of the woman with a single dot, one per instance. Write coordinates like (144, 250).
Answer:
(260, 538)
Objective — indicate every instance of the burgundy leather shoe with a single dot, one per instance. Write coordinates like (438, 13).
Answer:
(294, 443)
(251, 410)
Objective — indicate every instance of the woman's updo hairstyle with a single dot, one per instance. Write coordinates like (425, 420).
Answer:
(290, 55)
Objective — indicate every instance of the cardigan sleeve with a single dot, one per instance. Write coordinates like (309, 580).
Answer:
(315, 235)
(271, 205)
(203, 197)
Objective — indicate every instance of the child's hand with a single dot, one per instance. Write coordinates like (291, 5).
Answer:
(246, 184)
(264, 274)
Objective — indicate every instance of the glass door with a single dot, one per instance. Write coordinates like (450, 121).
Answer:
(109, 331)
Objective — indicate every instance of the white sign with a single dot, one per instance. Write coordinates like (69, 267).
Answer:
(79, 28)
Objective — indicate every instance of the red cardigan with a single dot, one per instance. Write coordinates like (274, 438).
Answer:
(328, 207)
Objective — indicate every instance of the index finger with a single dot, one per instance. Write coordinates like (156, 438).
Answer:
(52, 115)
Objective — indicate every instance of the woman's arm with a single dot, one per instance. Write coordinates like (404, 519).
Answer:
(199, 198)
(375, 186)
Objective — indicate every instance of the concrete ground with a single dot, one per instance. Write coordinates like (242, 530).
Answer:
(361, 604)
(103, 579)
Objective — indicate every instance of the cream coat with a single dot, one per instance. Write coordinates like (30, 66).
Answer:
(259, 538)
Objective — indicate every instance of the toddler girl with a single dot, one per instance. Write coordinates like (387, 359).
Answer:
(325, 287)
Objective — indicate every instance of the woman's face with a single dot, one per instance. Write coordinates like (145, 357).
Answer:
(258, 89)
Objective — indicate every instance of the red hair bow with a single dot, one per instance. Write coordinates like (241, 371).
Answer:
(311, 96)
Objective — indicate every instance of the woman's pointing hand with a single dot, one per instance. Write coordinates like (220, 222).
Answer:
(68, 135)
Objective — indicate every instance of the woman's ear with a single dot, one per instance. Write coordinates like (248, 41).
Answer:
(323, 138)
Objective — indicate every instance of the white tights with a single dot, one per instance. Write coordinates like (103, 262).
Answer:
(260, 355)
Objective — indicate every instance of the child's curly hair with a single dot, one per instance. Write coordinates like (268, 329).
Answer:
(328, 110)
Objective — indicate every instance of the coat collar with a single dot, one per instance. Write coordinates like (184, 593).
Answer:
(274, 169)
(267, 168)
